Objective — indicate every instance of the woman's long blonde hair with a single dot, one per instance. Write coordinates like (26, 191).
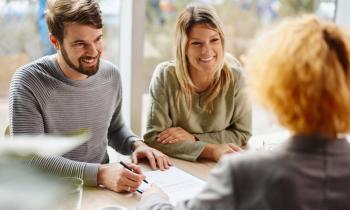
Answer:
(301, 70)
(191, 15)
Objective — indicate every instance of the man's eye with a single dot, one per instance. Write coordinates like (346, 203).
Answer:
(99, 39)
(79, 45)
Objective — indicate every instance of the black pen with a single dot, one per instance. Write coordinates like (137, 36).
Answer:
(139, 191)
(127, 167)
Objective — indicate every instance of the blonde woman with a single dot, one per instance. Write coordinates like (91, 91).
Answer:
(198, 108)
(301, 71)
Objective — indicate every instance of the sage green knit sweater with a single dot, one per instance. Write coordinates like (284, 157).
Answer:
(230, 121)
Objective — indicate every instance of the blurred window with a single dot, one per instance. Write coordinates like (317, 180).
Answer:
(242, 20)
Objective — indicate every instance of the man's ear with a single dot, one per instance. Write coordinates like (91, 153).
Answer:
(54, 41)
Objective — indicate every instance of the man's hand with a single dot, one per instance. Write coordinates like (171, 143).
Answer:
(174, 134)
(119, 179)
(154, 156)
(154, 189)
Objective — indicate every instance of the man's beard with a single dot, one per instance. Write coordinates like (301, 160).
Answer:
(86, 71)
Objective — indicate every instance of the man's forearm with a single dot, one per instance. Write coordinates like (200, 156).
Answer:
(61, 166)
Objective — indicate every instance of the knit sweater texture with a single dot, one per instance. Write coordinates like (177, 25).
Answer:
(44, 101)
(230, 121)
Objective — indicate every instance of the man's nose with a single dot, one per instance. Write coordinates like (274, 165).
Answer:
(93, 50)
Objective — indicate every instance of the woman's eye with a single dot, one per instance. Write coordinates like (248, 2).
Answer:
(196, 43)
(215, 40)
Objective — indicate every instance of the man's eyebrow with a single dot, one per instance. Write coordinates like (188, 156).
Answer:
(81, 40)
(77, 41)
(99, 37)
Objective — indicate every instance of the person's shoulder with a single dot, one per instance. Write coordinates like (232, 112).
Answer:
(108, 69)
(249, 161)
(238, 77)
(35, 71)
(108, 66)
(234, 64)
(165, 68)
(165, 71)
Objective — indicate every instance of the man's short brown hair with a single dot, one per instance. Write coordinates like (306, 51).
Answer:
(60, 12)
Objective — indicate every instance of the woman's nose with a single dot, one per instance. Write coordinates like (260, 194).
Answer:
(206, 48)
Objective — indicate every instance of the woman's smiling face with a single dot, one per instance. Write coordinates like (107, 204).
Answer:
(204, 49)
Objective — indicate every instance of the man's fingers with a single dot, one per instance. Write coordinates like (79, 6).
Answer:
(167, 161)
(160, 161)
(132, 175)
(131, 183)
(151, 160)
(138, 170)
(134, 158)
(128, 188)
(135, 168)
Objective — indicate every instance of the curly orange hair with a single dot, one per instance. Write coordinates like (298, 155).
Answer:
(300, 70)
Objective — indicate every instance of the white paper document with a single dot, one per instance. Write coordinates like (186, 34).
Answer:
(176, 183)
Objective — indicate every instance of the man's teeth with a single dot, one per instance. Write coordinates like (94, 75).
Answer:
(88, 60)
